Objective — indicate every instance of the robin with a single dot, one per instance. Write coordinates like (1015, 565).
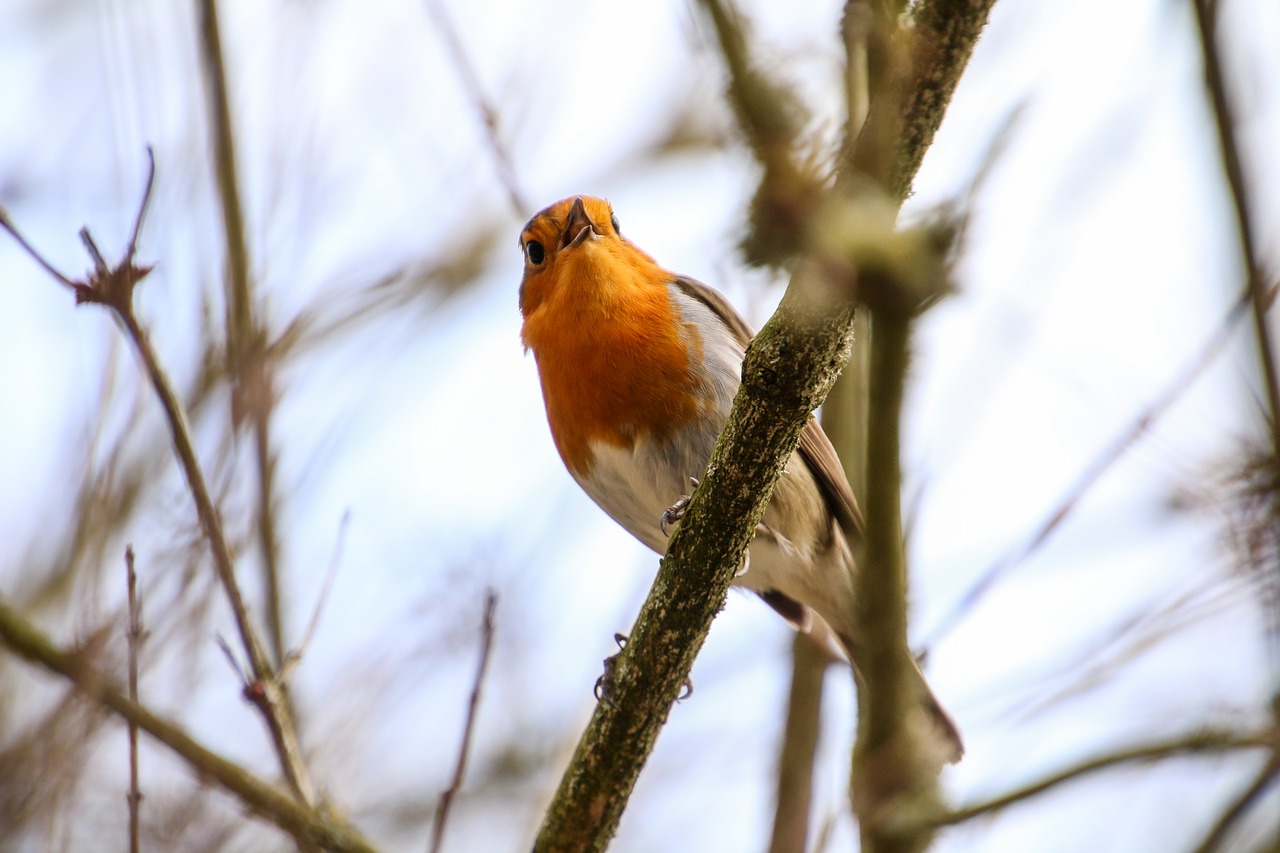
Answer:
(639, 367)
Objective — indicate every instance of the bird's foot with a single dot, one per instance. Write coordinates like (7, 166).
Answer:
(675, 512)
(604, 684)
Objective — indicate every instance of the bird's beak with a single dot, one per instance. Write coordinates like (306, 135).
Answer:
(578, 227)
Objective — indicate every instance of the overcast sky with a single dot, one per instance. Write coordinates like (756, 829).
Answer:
(1100, 260)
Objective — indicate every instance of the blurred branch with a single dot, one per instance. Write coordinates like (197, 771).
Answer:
(893, 769)
(134, 635)
(770, 118)
(1265, 778)
(294, 657)
(1211, 741)
(1094, 472)
(844, 419)
(295, 818)
(1233, 165)
(252, 394)
(473, 704)
(421, 286)
(239, 317)
(488, 114)
(943, 35)
(788, 369)
(809, 662)
(113, 289)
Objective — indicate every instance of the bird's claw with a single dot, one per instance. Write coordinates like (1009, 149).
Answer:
(604, 684)
(675, 512)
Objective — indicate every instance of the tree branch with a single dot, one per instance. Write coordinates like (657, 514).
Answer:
(788, 370)
(1209, 741)
(113, 288)
(1233, 166)
(250, 370)
(134, 636)
(809, 662)
(473, 704)
(295, 818)
(1243, 802)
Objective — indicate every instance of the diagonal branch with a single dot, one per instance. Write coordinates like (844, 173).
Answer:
(1205, 742)
(248, 365)
(1093, 473)
(788, 370)
(1233, 166)
(468, 729)
(295, 818)
(488, 113)
(1240, 807)
(135, 637)
(113, 288)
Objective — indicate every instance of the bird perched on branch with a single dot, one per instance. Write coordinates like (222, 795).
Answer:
(639, 367)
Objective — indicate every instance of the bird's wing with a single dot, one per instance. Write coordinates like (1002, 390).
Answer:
(815, 447)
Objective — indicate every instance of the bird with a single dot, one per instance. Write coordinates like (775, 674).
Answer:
(639, 367)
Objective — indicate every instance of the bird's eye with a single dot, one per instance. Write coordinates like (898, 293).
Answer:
(613, 220)
(534, 252)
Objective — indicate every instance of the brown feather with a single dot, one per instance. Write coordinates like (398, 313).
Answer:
(815, 447)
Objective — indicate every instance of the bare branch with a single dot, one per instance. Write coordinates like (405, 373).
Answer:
(268, 695)
(7, 224)
(239, 317)
(135, 642)
(1218, 833)
(295, 818)
(1205, 742)
(788, 370)
(294, 657)
(809, 663)
(1095, 471)
(473, 704)
(1233, 165)
(113, 288)
(488, 114)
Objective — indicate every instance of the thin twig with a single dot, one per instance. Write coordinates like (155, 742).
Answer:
(304, 824)
(7, 224)
(803, 724)
(131, 250)
(237, 273)
(1233, 165)
(886, 739)
(488, 114)
(267, 693)
(1095, 471)
(294, 657)
(135, 641)
(1211, 741)
(246, 354)
(1218, 833)
(113, 287)
(473, 704)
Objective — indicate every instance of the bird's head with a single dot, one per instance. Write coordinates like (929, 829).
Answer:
(577, 244)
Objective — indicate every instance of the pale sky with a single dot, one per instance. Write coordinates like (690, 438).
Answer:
(1099, 260)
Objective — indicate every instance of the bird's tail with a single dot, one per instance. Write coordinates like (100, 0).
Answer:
(941, 732)
(943, 727)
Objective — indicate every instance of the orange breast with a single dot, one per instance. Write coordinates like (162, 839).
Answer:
(613, 364)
